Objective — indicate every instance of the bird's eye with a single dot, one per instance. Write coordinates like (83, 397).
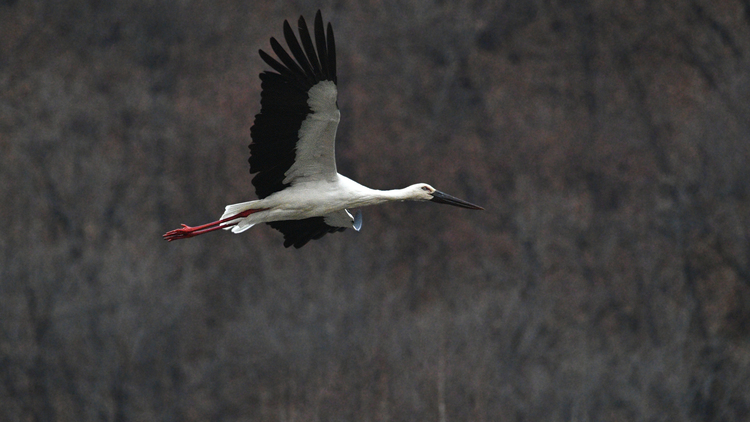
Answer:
(425, 188)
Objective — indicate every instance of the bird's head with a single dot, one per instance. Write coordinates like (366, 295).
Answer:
(425, 192)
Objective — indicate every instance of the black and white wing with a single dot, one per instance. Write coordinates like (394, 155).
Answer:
(294, 133)
(298, 232)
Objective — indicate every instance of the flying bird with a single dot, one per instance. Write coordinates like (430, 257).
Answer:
(292, 151)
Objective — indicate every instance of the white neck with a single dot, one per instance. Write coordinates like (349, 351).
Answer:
(390, 195)
(367, 196)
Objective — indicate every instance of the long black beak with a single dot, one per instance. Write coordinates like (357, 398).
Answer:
(444, 198)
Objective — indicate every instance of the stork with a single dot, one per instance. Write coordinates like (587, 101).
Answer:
(292, 151)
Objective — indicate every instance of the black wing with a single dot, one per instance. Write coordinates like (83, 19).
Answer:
(298, 232)
(284, 102)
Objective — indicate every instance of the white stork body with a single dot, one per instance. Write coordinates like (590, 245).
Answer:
(330, 201)
(293, 151)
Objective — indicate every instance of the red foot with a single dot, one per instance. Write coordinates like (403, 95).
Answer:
(187, 231)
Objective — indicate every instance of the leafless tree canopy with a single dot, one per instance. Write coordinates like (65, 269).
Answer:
(607, 280)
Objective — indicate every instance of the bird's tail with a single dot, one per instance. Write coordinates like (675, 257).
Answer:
(234, 209)
(242, 224)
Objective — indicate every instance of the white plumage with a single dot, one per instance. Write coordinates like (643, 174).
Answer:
(293, 151)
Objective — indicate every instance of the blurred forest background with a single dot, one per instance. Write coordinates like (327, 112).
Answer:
(607, 280)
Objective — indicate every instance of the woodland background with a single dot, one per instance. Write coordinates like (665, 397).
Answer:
(607, 280)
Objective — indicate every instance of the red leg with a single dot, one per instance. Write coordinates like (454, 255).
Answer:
(187, 231)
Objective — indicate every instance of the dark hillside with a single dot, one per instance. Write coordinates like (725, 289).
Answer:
(607, 280)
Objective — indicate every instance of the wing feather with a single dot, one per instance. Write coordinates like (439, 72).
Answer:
(289, 62)
(331, 50)
(298, 232)
(304, 35)
(294, 133)
(299, 55)
(320, 41)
